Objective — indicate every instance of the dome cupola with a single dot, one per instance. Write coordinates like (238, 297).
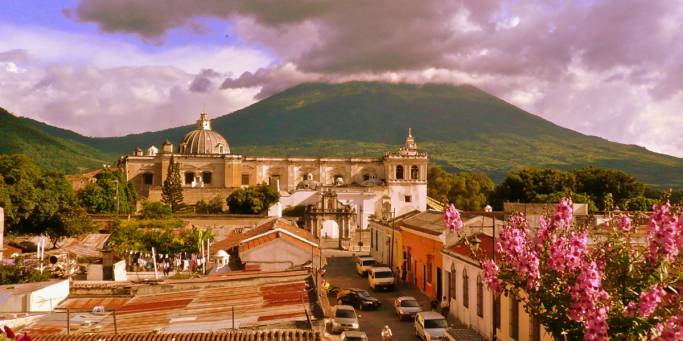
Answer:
(203, 140)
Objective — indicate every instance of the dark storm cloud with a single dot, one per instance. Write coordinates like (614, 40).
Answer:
(204, 81)
(556, 58)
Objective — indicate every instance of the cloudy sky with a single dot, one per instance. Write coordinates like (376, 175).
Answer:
(111, 67)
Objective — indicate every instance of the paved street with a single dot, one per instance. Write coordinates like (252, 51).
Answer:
(341, 272)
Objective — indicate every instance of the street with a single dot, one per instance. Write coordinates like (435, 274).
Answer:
(341, 272)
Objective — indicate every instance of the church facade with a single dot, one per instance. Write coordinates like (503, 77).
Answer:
(395, 183)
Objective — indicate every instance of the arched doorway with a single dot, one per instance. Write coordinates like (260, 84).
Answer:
(330, 229)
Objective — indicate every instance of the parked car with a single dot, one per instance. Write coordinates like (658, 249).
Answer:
(358, 298)
(343, 318)
(353, 335)
(363, 264)
(406, 306)
(430, 325)
(381, 278)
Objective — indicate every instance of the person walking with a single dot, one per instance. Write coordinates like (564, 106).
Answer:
(386, 333)
(444, 306)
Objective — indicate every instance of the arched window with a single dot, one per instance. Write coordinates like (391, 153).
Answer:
(399, 172)
(206, 177)
(220, 149)
(414, 172)
(451, 285)
(465, 289)
(189, 178)
(480, 297)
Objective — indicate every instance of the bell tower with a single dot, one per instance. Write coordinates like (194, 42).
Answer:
(406, 174)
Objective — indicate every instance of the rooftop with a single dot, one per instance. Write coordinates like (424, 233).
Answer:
(233, 335)
(197, 306)
(485, 247)
(427, 222)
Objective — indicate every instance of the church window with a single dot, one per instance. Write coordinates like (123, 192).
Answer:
(399, 172)
(414, 172)
(206, 177)
(189, 178)
(148, 178)
(408, 198)
(480, 297)
(245, 179)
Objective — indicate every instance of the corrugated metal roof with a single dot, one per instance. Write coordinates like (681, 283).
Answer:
(247, 335)
(193, 306)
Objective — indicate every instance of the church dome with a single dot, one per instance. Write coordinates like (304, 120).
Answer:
(203, 140)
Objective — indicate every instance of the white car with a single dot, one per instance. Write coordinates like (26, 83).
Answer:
(353, 335)
(381, 277)
(430, 325)
(363, 264)
(343, 318)
(406, 306)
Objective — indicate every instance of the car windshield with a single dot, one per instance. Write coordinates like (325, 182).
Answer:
(436, 323)
(368, 262)
(383, 274)
(363, 293)
(409, 303)
(346, 314)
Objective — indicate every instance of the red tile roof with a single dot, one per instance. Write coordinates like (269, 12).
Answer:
(485, 247)
(236, 239)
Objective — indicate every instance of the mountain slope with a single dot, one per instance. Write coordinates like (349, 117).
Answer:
(53, 153)
(462, 127)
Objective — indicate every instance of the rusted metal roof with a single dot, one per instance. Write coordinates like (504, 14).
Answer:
(236, 239)
(233, 335)
(202, 305)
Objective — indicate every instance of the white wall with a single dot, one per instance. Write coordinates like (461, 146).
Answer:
(276, 255)
(120, 273)
(417, 192)
(94, 272)
(49, 297)
(468, 316)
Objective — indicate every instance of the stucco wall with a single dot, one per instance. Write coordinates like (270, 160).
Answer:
(49, 297)
(276, 255)
(420, 247)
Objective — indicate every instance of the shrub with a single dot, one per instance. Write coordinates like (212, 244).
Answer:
(156, 210)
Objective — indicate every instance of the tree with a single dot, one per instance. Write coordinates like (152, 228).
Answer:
(156, 210)
(439, 183)
(534, 185)
(597, 182)
(68, 222)
(591, 284)
(253, 199)
(215, 205)
(471, 191)
(101, 195)
(172, 190)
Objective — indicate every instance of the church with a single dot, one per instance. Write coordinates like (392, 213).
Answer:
(340, 193)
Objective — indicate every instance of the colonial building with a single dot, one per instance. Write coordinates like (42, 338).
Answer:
(367, 186)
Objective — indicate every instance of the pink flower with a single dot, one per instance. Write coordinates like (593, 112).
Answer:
(663, 234)
(624, 222)
(9, 332)
(568, 253)
(590, 303)
(563, 212)
(672, 329)
(451, 218)
(491, 276)
(630, 310)
(649, 300)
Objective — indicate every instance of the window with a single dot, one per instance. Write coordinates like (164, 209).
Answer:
(465, 289)
(399, 172)
(496, 312)
(376, 240)
(428, 273)
(148, 178)
(480, 297)
(189, 178)
(245, 179)
(514, 318)
(454, 275)
(414, 172)
(408, 198)
(535, 330)
(366, 177)
(206, 177)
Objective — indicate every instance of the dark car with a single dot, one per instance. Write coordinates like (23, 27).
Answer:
(358, 298)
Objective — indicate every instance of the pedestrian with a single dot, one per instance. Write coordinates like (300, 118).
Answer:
(404, 272)
(444, 306)
(386, 333)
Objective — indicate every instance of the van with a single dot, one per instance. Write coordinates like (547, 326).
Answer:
(381, 277)
(363, 264)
